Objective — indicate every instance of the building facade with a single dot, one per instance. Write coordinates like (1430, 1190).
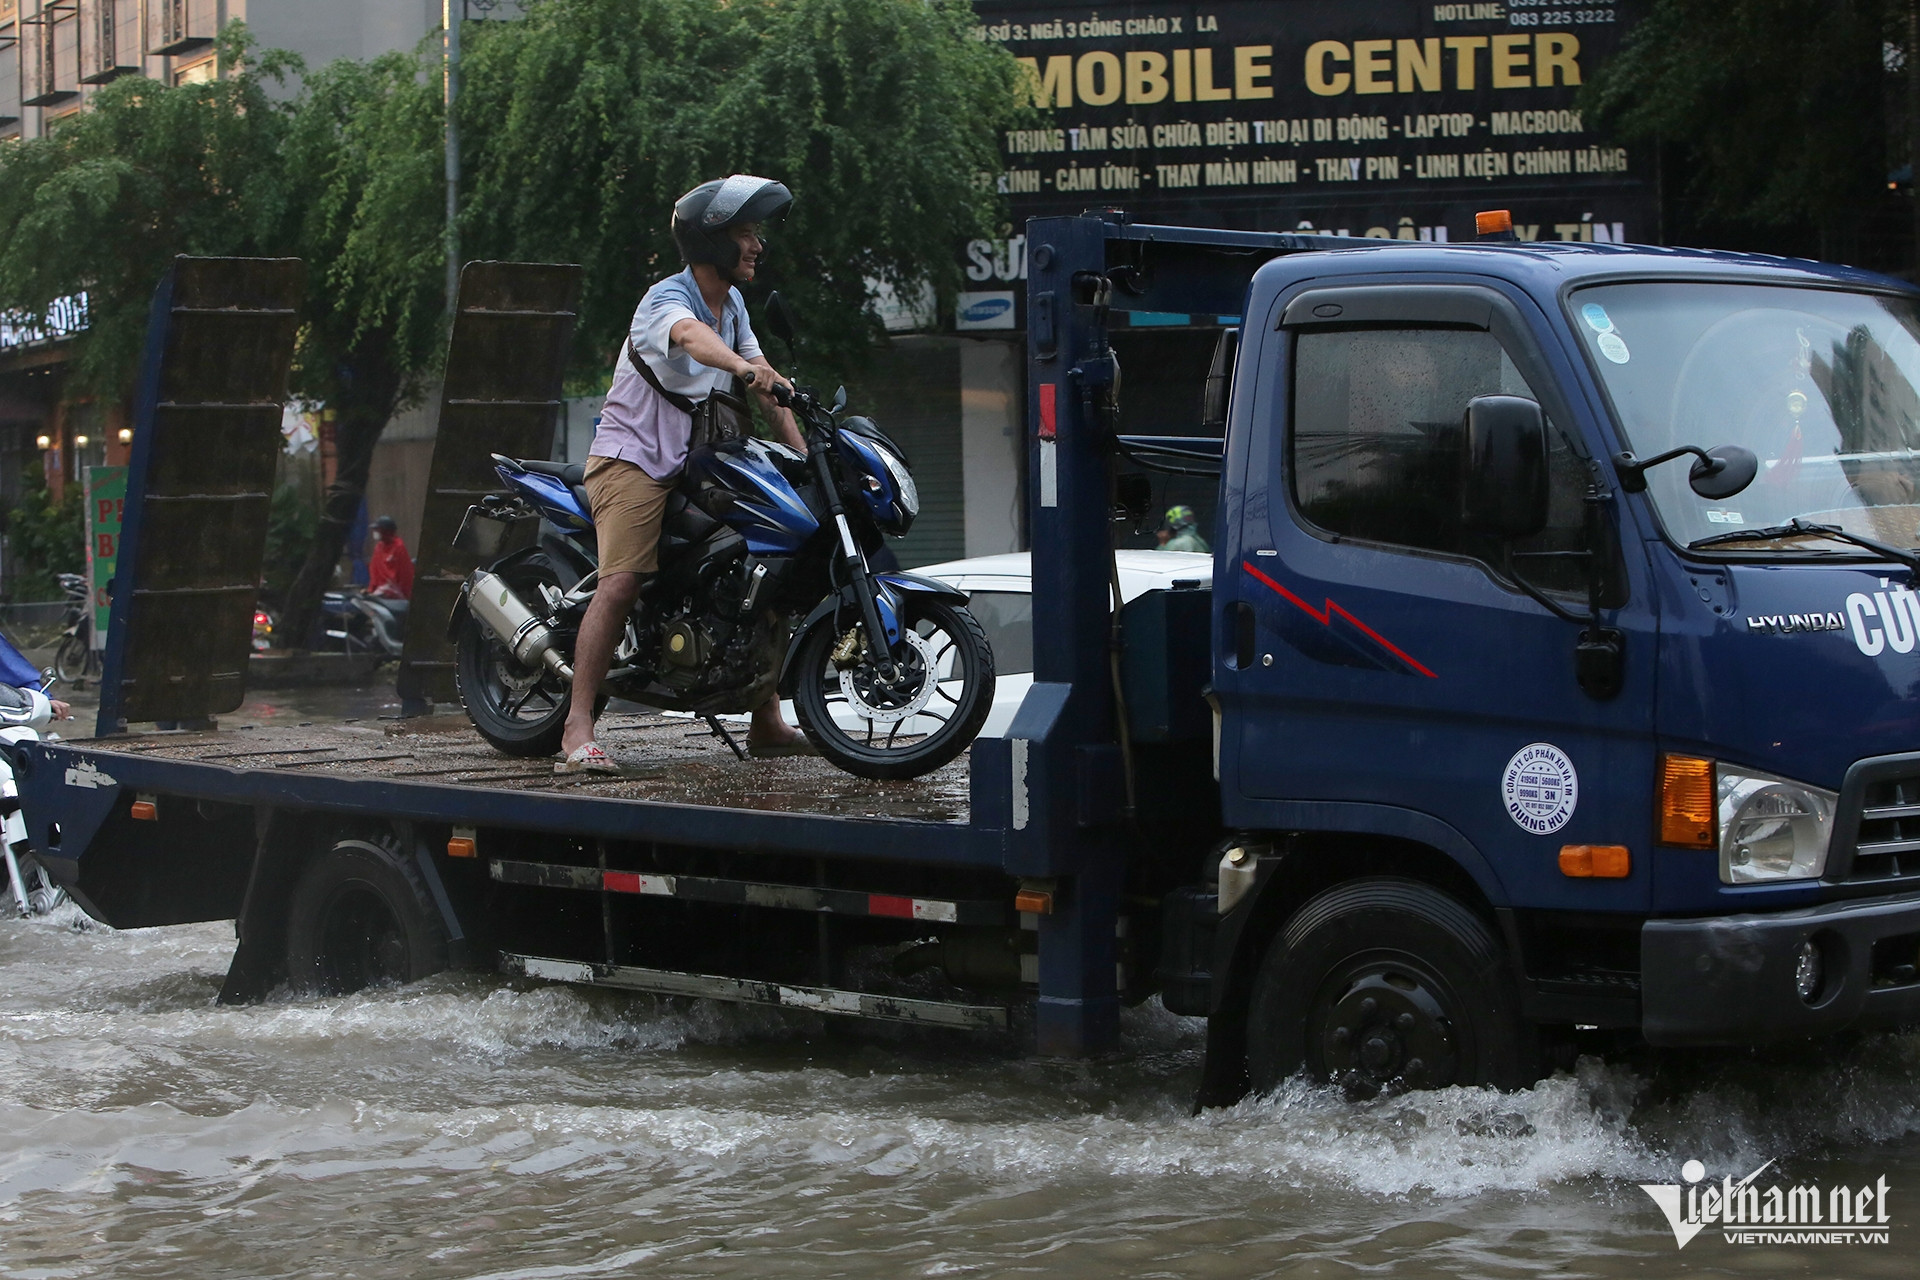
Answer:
(54, 54)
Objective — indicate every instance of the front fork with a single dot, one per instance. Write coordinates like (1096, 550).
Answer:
(855, 559)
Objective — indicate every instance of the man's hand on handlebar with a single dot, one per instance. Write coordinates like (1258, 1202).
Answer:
(764, 379)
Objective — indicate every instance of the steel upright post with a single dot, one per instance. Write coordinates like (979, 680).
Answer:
(452, 13)
(1068, 505)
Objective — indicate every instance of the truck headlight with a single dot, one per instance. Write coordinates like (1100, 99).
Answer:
(1771, 828)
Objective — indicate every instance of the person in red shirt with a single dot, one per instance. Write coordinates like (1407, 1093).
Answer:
(389, 567)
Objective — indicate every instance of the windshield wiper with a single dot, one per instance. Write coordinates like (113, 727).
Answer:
(1798, 527)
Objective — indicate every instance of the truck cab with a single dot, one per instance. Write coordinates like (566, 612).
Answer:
(1563, 659)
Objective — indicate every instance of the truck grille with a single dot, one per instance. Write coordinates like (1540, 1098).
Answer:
(1888, 846)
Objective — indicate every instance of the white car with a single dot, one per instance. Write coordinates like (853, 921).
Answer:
(1001, 597)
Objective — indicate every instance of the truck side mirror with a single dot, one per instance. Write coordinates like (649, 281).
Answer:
(1503, 461)
(1213, 399)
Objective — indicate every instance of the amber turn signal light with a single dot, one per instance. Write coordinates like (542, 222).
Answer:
(1037, 901)
(1595, 861)
(1686, 802)
(1493, 222)
(145, 810)
(463, 843)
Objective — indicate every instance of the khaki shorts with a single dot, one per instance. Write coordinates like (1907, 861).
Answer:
(628, 506)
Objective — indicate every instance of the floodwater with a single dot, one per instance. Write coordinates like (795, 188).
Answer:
(471, 1127)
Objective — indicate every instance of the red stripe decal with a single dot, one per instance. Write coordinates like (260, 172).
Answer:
(1049, 409)
(620, 881)
(879, 904)
(1325, 618)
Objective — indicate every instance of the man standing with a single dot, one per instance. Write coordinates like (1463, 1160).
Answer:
(389, 567)
(689, 336)
(1180, 531)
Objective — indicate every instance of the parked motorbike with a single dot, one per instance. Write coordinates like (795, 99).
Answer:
(24, 714)
(764, 585)
(357, 622)
(76, 661)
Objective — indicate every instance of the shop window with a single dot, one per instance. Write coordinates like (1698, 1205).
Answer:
(197, 72)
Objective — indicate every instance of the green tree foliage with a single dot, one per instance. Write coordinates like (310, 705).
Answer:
(150, 170)
(585, 121)
(106, 200)
(46, 538)
(364, 140)
(1775, 114)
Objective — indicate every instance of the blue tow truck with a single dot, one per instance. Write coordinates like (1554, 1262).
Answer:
(1558, 670)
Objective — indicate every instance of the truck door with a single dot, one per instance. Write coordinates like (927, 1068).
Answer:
(1383, 672)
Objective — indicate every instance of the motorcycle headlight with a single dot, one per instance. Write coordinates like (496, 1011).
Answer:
(1771, 828)
(902, 480)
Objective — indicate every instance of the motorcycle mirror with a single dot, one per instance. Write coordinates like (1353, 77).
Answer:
(839, 399)
(780, 319)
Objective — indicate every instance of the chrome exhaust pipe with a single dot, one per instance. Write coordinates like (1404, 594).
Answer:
(501, 612)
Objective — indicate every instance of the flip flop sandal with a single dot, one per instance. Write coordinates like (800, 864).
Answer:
(801, 746)
(587, 759)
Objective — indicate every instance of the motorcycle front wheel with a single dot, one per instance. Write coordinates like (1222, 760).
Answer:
(908, 722)
(519, 709)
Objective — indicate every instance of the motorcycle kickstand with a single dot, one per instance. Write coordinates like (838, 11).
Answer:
(720, 731)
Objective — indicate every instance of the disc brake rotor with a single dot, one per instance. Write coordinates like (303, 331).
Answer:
(865, 693)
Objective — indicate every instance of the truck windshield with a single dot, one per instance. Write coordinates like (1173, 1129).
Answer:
(1820, 384)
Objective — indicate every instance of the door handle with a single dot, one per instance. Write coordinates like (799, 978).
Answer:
(1240, 615)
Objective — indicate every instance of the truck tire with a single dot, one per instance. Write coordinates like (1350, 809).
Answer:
(360, 916)
(1387, 981)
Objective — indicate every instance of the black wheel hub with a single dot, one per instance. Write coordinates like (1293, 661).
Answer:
(362, 944)
(1388, 1024)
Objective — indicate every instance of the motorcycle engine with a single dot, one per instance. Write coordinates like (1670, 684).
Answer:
(707, 646)
(685, 643)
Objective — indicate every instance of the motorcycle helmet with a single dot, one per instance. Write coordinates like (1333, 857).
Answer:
(1179, 517)
(702, 217)
(387, 525)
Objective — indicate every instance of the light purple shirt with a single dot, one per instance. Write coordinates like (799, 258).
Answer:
(637, 424)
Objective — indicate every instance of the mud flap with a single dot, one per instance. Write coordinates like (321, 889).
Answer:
(260, 960)
(1223, 1077)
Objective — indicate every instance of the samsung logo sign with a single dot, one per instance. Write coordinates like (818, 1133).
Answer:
(984, 309)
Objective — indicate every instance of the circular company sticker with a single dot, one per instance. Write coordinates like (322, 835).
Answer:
(1597, 318)
(1540, 788)
(1614, 347)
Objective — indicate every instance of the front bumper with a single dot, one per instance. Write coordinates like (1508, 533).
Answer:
(1726, 980)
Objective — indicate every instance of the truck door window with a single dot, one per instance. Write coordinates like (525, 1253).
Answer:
(1007, 618)
(1374, 451)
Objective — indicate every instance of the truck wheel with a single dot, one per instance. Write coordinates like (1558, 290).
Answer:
(361, 917)
(1384, 981)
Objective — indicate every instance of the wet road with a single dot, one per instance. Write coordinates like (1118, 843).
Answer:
(473, 1127)
(470, 1127)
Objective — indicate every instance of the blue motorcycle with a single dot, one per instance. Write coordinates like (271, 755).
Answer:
(766, 582)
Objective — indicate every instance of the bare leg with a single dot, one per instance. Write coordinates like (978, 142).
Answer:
(600, 631)
(769, 727)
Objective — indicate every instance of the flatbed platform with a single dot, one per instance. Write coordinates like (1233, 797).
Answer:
(667, 759)
(678, 783)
